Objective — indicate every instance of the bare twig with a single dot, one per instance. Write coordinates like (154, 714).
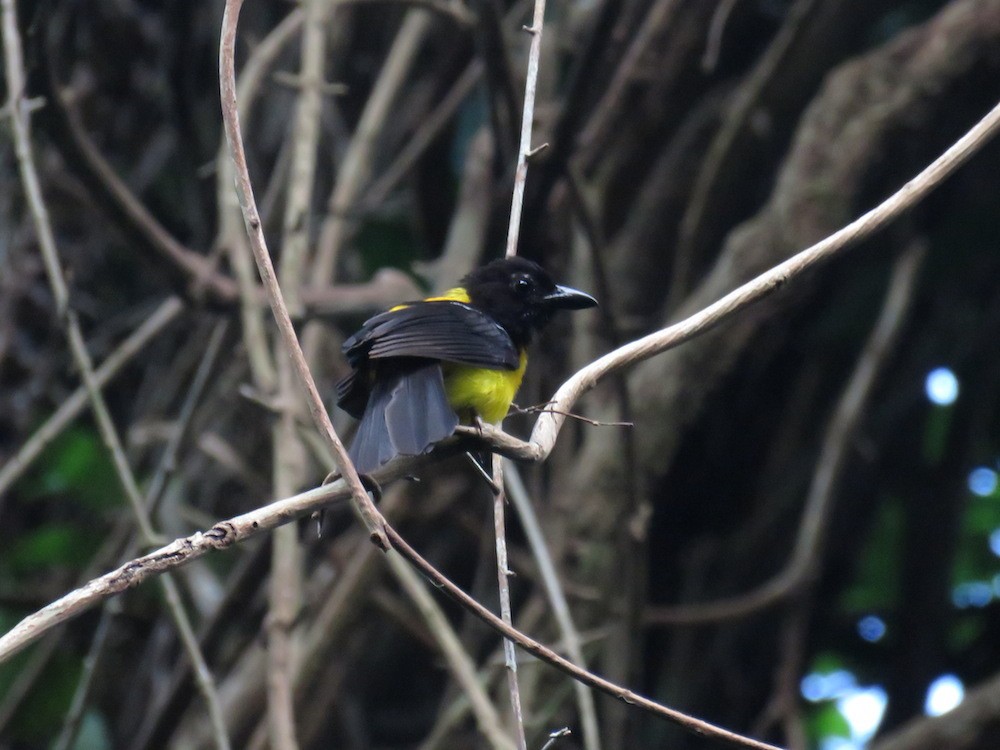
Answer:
(168, 461)
(200, 269)
(503, 586)
(555, 737)
(91, 664)
(167, 464)
(557, 599)
(163, 559)
(260, 520)
(547, 655)
(459, 661)
(70, 409)
(626, 591)
(366, 509)
(232, 236)
(513, 231)
(14, 65)
(547, 427)
(715, 29)
(527, 120)
(594, 134)
(832, 459)
(733, 123)
(21, 685)
(285, 590)
(430, 127)
(354, 173)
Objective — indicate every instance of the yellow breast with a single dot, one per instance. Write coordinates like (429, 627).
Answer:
(476, 390)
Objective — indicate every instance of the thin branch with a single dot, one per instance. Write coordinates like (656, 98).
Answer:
(459, 661)
(232, 236)
(430, 127)
(527, 119)
(555, 737)
(282, 511)
(167, 464)
(503, 587)
(629, 589)
(839, 438)
(734, 122)
(22, 139)
(285, 589)
(547, 427)
(91, 664)
(545, 654)
(557, 599)
(201, 270)
(179, 430)
(70, 409)
(513, 231)
(227, 73)
(161, 560)
(354, 173)
(261, 520)
(715, 29)
(594, 134)
(18, 688)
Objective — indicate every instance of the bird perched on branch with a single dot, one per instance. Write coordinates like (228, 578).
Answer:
(424, 367)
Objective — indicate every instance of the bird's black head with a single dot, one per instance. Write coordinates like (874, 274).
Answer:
(521, 296)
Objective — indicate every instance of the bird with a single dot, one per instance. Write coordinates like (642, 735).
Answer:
(422, 368)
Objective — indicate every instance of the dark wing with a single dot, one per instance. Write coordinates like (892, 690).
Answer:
(405, 416)
(353, 393)
(442, 330)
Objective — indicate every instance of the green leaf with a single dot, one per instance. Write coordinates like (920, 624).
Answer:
(826, 721)
(42, 712)
(386, 243)
(78, 465)
(876, 587)
(51, 545)
(936, 433)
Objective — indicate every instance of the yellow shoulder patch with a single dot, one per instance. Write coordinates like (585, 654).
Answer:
(457, 294)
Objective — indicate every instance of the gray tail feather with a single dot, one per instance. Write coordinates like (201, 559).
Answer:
(403, 417)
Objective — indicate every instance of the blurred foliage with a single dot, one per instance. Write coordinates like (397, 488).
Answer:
(74, 467)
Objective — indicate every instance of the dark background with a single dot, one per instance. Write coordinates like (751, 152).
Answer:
(673, 174)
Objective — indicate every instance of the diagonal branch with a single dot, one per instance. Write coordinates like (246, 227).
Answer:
(840, 433)
(546, 430)
(227, 80)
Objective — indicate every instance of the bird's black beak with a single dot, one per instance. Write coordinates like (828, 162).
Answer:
(564, 298)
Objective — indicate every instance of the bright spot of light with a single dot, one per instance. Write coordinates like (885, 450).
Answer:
(813, 687)
(995, 544)
(944, 694)
(941, 386)
(871, 628)
(818, 686)
(838, 743)
(863, 710)
(982, 481)
(972, 594)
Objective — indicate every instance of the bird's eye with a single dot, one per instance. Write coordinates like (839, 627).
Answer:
(522, 285)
